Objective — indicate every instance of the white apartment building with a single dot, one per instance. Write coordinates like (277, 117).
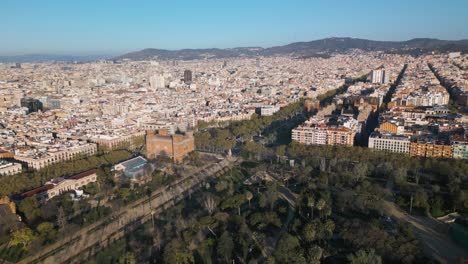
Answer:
(157, 82)
(9, 168)
(429, 99)
(390, 142)
(460, 147)
(378, 76)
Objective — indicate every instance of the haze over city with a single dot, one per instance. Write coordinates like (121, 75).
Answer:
(234, 132)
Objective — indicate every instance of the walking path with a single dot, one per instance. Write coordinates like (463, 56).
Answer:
(432, 234)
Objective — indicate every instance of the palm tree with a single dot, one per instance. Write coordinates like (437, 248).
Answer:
(148, 194)
(248, 196)
(364, 256)
(320, 205)
(311, 204)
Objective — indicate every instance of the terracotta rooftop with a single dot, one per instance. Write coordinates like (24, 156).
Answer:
(83, 174)
(37, 190)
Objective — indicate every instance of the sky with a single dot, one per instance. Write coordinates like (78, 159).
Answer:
(86, 27)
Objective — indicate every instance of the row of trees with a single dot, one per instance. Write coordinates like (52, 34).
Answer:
(225, 138)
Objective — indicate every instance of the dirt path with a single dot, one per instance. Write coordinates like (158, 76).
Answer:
(432, 234)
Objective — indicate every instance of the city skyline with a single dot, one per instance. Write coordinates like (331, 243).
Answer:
(85, 28)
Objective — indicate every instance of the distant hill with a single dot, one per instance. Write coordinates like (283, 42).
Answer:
(322, 47)
(190, 54)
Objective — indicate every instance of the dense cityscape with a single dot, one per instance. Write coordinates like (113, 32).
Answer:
(122, 142)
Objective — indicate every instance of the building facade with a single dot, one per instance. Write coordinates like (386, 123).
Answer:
(175, 146)
(38, 163)
(123, 141)
(59, 186)
(9, 168)
(390, 143)
(460, 147)
(187, 76)
(421, 149)
(310, 135)
(378, 76)
(32, 104)
(323, 135)
(388, 127)
(131, 168)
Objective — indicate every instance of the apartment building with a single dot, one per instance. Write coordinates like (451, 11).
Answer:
(318, 132)
(423, 149)
(459, 147)
(389, 142)
(340, 136)
(39, 162)
(114, 142)
(310, 135)
(9, 168)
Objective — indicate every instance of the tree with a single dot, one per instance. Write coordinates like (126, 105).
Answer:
(124, 193)
(328, 228)
(127, 258)
(248, 196)
(30, 208)
(311, 204)
(421, 200)
(61, 219)
(225, 247)
(47, 231)
(437, 203)
(233, 202)
(314, 254)
(400, 175)
(288, 250)
(461, 200)
(384, 169)
(321, 203)
(177, 252)
(360, 171)
(209, 203)
(148, 194)
(205, 250)
(269, 197)
(280, 151)
(365, 257)
(23, 236)
(309, 232)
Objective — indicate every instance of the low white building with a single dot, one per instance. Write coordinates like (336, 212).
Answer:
(58, 186)
(389, 142)
(268, 110)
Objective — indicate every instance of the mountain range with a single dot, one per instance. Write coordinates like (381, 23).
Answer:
(316, 48)
(322, 47)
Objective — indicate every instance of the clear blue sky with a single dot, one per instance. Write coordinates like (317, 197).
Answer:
(116, 26)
